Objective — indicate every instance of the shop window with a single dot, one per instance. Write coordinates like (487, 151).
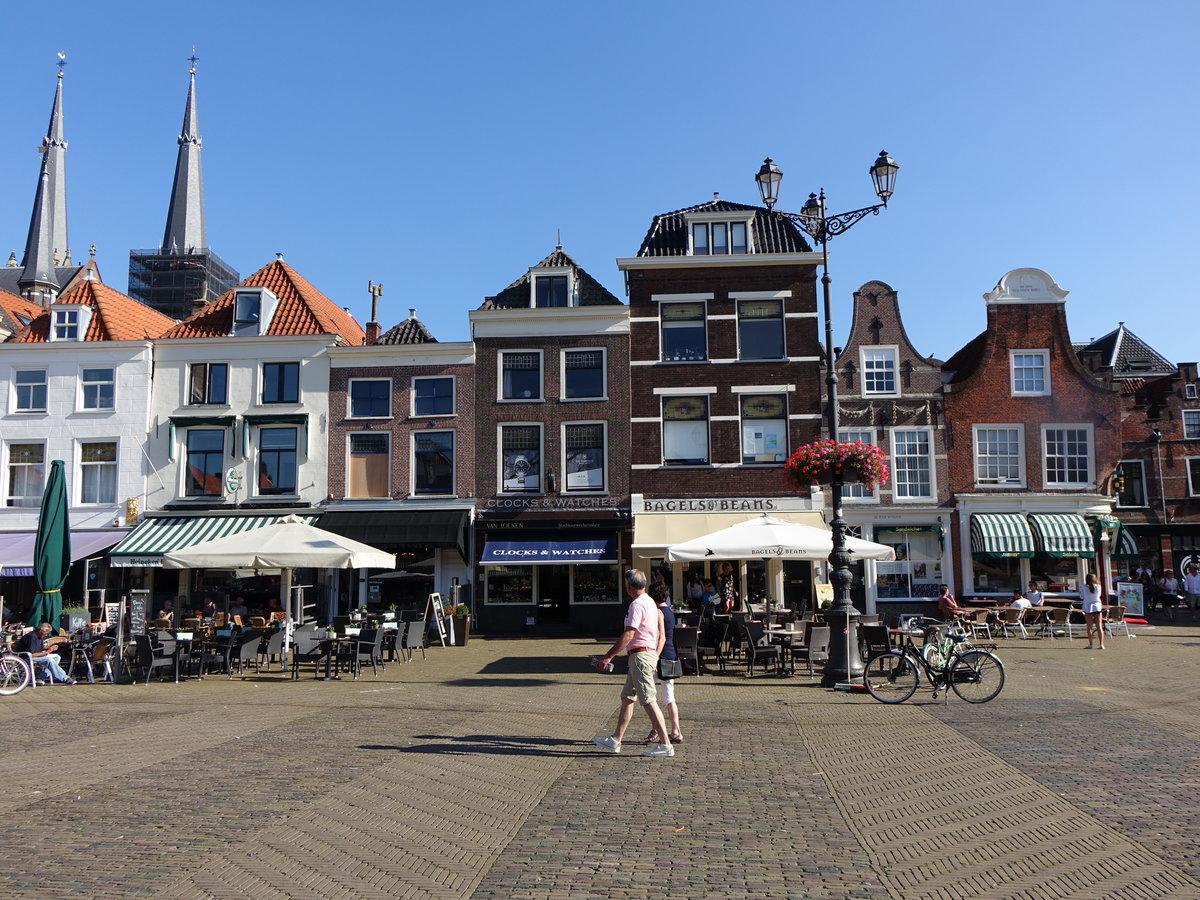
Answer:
(685, 431)
(277, 463)
(433, 396)
(996, 575)
(879, 370)
(209, 384)
(509, 584)
(433, 462)
(521, 375)
(917, 569)
(205, 462)
(1191, 424)
(281, 382)
(26, 474)
(999, 455)
(597, 583)
(370, 398)
(98, 388)
(1133, 483)
(1030, 373)
(521, 459)
(367, 474)
(98, 472)
(764, 428)
(1068, 455)
(684, 336)
(912, 464)
(760, 329)
(583, 375)
(585, 456)
(1056, 574)
(30, 387)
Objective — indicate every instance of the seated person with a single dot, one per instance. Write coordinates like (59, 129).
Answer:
(1034, 596)
(1019, 601)
(274, 610)
(47, 664)
(238, 608)
(209, 609)
(709, 597)
(948, 606)
(168, 610)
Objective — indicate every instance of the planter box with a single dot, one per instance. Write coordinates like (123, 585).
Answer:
(462, 630)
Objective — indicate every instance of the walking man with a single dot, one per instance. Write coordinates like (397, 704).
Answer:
(643, 638)
(1191, 587)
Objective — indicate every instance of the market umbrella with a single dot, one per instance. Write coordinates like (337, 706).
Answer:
(768, 537)
(51, 550)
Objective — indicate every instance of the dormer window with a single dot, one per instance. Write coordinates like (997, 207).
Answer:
(69, 323)
(247, 307)
(719, 238)
(552, 288)
(253, 308)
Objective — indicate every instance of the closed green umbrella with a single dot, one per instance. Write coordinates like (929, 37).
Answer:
(51, 550)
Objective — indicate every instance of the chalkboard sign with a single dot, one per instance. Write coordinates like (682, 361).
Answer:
(137, 612)
(112, 613)
(439, 615)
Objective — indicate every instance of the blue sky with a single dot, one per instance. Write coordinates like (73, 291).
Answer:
(438, 148)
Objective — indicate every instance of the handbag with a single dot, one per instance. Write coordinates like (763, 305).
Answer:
(669, 669)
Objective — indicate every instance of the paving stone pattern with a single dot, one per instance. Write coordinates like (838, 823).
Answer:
(472, 774)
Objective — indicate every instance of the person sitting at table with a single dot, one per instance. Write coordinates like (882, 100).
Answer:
(1034, 596)
(46, 662)
(274, 610)
(237, 608)
(168, 610)
(948, 606)
(209, 609)
(710, 597)
(1019, 601)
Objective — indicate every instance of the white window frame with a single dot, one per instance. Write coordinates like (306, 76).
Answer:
(1012, 373)
(1193, 483)
(893, 350)
(708, 460)
(1022, 476)
(350, 397)
(1091, 455)
(412, 450)
(16, 392)
(1189, 391)
(562, 463)
(857, 434)
(1194, 424)
(453, 396)
(82, 397)
(115, 465)
(65, 323)
(541, 369)
(1141, 464)
(708, 221)
(541, 488)
(383, 433)
(742, 427)
(562, 369)
(929, 459)
(34, 500)
(553, 272)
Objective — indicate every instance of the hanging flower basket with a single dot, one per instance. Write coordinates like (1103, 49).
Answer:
(817, 462)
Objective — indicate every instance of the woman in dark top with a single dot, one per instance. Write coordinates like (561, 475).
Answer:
(662, 597)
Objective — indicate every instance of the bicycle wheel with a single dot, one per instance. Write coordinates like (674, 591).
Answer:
(934, 655)
(891, 677)
(977, 676)
(14, 675)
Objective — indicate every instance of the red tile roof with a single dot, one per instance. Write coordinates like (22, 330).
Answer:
(302, 309)
(117, 316)
(14, 309)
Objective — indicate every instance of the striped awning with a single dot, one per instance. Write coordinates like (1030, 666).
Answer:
(1000, 534)
(1126, 545)
(1062, 535)
(154, 537)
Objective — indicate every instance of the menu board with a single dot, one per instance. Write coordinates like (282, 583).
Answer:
(137, 612)
(439, 615)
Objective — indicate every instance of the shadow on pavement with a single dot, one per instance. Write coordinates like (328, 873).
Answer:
(492, 744)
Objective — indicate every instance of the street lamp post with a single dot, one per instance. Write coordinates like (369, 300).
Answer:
(844, 661)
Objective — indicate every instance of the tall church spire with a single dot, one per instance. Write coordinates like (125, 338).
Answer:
(46, 245)
(185, 232)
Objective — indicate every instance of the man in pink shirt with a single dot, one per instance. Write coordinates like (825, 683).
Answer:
(643, 638)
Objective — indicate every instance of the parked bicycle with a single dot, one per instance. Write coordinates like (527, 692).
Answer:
(976, 675)
(15, 674)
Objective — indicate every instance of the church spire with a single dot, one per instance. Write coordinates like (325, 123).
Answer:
(46, 245)
(185, 232)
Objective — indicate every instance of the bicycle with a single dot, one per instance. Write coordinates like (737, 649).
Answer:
(893, 676)
(15, 673)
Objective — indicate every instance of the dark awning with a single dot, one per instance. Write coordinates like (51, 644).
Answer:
(388, 528)
(545, 550)
(16, 548)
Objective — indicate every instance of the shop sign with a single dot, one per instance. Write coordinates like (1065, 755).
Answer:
(552, 503)
(724, 504)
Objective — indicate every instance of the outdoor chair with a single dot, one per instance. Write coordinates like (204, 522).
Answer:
(244, 650)
(1114, 618)
(1060, 620)
(758, 652)
(687, 644)
(874, 639)
(391, 635)
(712, 643)
(270, 647)
(815, 648)
(414, 638)
(307, 647)
(1014, 620)
(151, 657)
(977, 621)
(99, 656)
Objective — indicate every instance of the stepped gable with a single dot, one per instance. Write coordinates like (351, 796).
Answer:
(516, 295)
(117, 316)
(302, 309)
(771, 231)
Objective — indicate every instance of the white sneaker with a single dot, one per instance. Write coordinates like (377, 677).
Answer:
(660, 750)
(611, 744)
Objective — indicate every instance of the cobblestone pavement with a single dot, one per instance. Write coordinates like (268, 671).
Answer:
(472, 774)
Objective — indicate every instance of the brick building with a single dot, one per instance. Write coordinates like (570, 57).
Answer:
(551, 414)
(890, 395)
(1032, 438)
(726, 381)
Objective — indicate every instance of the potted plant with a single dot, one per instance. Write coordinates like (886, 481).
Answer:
(817, 463)
(74, 618)
(462, 624)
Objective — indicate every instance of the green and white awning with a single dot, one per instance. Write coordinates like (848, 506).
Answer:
(1000, 534)
(1126, 545)
(1062, 535)
(154, 537)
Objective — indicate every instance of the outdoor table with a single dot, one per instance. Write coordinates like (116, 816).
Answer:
(335, 645)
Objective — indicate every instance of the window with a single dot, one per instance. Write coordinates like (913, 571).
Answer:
(1133, 483)
(718, 238)
(98, 386)
(1189, 391)
(917, 571)
(685, 431)
(585, 449)
(1191, 424)
(98, 472)
(26, 474)
(281, 382)
(764, 428)
(210, 384)
(66, 324)
(277, 460)
(760, 329)
(521, 375)
(583, 375)
(1030, 372)
(433, 396)
(370, 398)
(205, 460)
(370, 465)
(30, 385)
(912, 464)
(550, 291)
(1193, 476)
(521, 458)
(856, 490)
(433, 462)
(1068, 455)
(683, 332)
(247, 307)
(879, 370)
(998, 455)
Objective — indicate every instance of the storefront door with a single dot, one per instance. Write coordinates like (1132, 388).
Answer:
(797, 585)
(554, 595)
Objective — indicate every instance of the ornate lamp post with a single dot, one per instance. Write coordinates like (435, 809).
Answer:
(844, 662)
